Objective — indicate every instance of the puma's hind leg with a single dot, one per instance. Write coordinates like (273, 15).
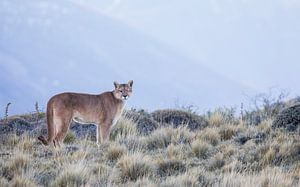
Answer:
(62, 127)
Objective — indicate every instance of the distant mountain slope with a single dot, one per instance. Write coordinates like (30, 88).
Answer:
(54, 46)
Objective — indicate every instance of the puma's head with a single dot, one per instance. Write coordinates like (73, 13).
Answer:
(123, 91)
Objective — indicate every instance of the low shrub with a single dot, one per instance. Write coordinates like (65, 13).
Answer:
(288, 118)
(179, 118)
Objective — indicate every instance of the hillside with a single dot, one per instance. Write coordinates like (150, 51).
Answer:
(162, 148)
(56, 46)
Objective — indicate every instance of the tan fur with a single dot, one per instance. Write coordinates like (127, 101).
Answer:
(102, 110)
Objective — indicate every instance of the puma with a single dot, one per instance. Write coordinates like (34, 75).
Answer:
(103, 110)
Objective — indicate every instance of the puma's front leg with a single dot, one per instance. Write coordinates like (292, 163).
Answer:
(98, 134)
(104, 131)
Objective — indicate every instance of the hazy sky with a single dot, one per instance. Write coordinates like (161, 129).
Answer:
(206, 53)
(255, 42)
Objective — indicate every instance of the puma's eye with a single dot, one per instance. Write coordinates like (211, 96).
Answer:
(121, 91)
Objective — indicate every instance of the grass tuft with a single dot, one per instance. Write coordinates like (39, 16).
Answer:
(4, 182)
(211, 136)
(201, 149)
(73, 175)
(133, 167)
(216, 162)
(170, 167)
(18, 164)
(21, 182)
(114, 152)
(160, 138)
(124, 128)
(227, 132)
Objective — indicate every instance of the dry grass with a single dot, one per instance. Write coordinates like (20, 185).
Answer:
(179, 152)
(160, 138)
(114, 152)
(70, 138)
(228, 131)
(216, 119)
(170, 167)
(3, 182)
(210, 135)
(125, 127)
(212, 156)
(132, 168)
(184, 180)
(268, 177)
(201, 149)
(21, 182)
(73, 175)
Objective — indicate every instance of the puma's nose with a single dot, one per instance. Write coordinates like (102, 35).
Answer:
(125, 96)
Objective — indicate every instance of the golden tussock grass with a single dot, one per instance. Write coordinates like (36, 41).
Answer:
(225, 153)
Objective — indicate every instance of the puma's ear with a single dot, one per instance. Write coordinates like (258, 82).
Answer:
(130, 83)
(116, 84)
